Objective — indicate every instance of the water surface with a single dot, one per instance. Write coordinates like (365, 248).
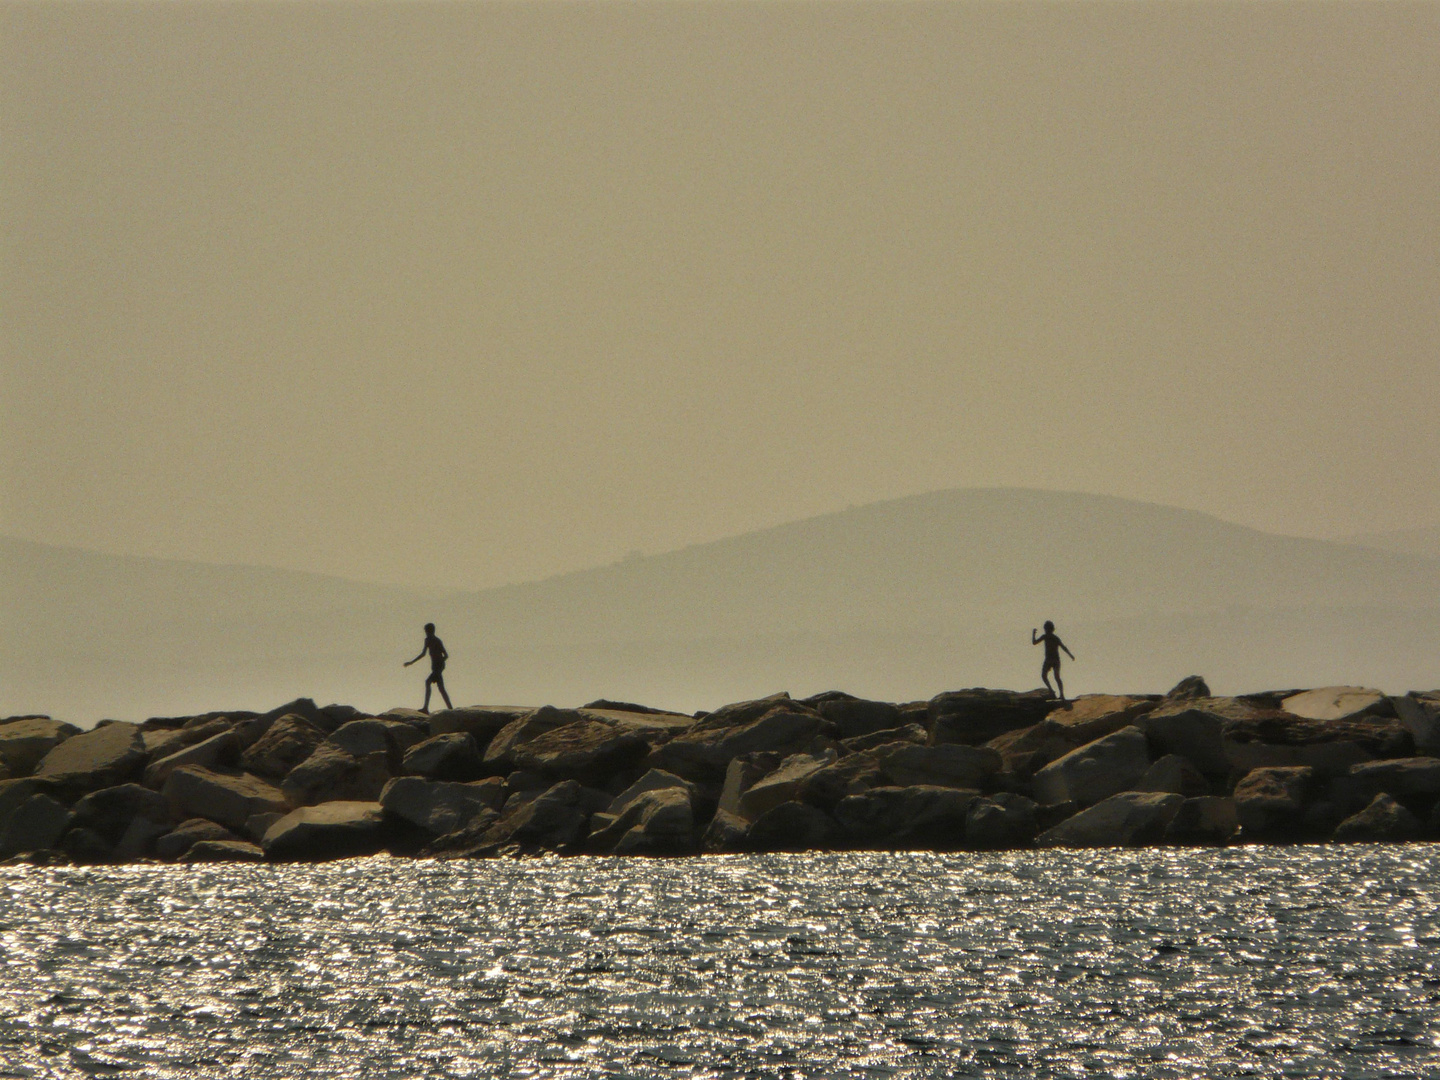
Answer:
(1311, 961)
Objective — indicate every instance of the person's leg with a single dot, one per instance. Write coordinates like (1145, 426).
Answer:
(1045, 677)
(428, 683)
(440, 682)
(1059, 682)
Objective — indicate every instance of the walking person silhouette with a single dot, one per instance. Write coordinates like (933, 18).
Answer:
(436, 648)
(1053, 645)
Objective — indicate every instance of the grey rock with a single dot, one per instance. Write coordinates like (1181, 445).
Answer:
(856, 718)
(437, 806)
(1128, 819)
(86, 847)
(1271, 801)
(1336, 703)
(725, 833)
(1195, 734)
(331, 774)
(791, 826)
(480, 722)
(1383, 820)
(1408, 779)
(741, 774)
(974, 717)
(500, 754)
(587, 750)
(25, 740)
(102, 757)
(1206, 819)
(1096, 770)
(740, 713)
(111, 810)
(1001, 821)
(1325, 758)
(257, 825)
(653, 780)
(208, 851)
(553, 820)
(914, 816)
(656, 822)
(288, 741)
(451, 756)
(35, 825)
(1190, 688)
(784, 784)
(332, 830)
(139, 838)
(954, 765)
(227, 797)
(909, 733)
(704, 752)
(361, 738)
(1175, 774)
(219, 749)
(179, 840)
(250, 730)
(851, 775)
(1420, 714)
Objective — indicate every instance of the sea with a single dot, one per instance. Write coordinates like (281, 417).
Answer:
(1312, 961)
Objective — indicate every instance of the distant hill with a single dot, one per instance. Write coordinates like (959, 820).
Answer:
(898, 599)
(1423, 541)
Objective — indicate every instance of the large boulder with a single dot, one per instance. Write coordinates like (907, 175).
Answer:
(1205, 819)
(741, 774)
(1383, 820)
(915, 816)
(111, 811)
(333, 830)
(1096, 770)
(1025, 751)
(1420, 715)
(850, 775)
(15, 791)
(224, 796)
(653, 780)
(500, 753)
(1175, 774)
(179, 840)
(1333, 758)
(451, 756)
(791, 826)
(1271, 802)
(1196, 734)
(588, 750)
(726, 833)
(742, 712)
(854, 717)
(208, 851)
(35, 825)
(221, 748)
(906, 733)
(480, 722)
(288, 741)
(361, 738)
(1190, 688)
(332, 774)
(784, 784)
(104, 756)
(250, 730)
(1128, 819)
(1414, 781)
(974, 717)
(1337, 703)
(1000, 821)
(1093, 716)
(555, 819)
(956, 765)
(660, 821)
(25, 740)
(438, 806)
(704, 752)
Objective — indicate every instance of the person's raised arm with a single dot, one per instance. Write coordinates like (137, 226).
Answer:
(1035, 637)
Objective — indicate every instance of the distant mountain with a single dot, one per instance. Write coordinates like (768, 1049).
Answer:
(898, 599)
(1423, 541)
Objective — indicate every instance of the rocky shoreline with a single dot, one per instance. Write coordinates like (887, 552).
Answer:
(966, 770)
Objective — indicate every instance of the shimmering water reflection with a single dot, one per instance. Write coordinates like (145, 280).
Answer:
(1315, 961)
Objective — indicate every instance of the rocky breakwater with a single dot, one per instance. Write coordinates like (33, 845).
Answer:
(966, 770)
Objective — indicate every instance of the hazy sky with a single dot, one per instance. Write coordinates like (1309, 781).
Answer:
(471, 293)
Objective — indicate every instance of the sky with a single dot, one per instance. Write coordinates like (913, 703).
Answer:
(455, 295)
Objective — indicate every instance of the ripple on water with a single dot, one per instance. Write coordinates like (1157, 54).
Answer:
(1315, 961)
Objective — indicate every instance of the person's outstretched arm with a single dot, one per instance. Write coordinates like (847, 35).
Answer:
(422, 653)
(1068, 653)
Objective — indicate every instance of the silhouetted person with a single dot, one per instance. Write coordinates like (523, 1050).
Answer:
(436, 648)
(1053, 645)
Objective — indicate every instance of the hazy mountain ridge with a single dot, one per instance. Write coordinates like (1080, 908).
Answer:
(897, 599)
(1423, 541)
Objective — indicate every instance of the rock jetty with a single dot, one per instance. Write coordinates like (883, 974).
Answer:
(978, 769)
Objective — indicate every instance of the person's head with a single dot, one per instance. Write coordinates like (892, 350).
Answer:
(430, 627)
(1049, 627)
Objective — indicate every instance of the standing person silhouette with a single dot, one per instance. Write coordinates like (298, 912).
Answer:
(436, 648)
(1053, 645)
